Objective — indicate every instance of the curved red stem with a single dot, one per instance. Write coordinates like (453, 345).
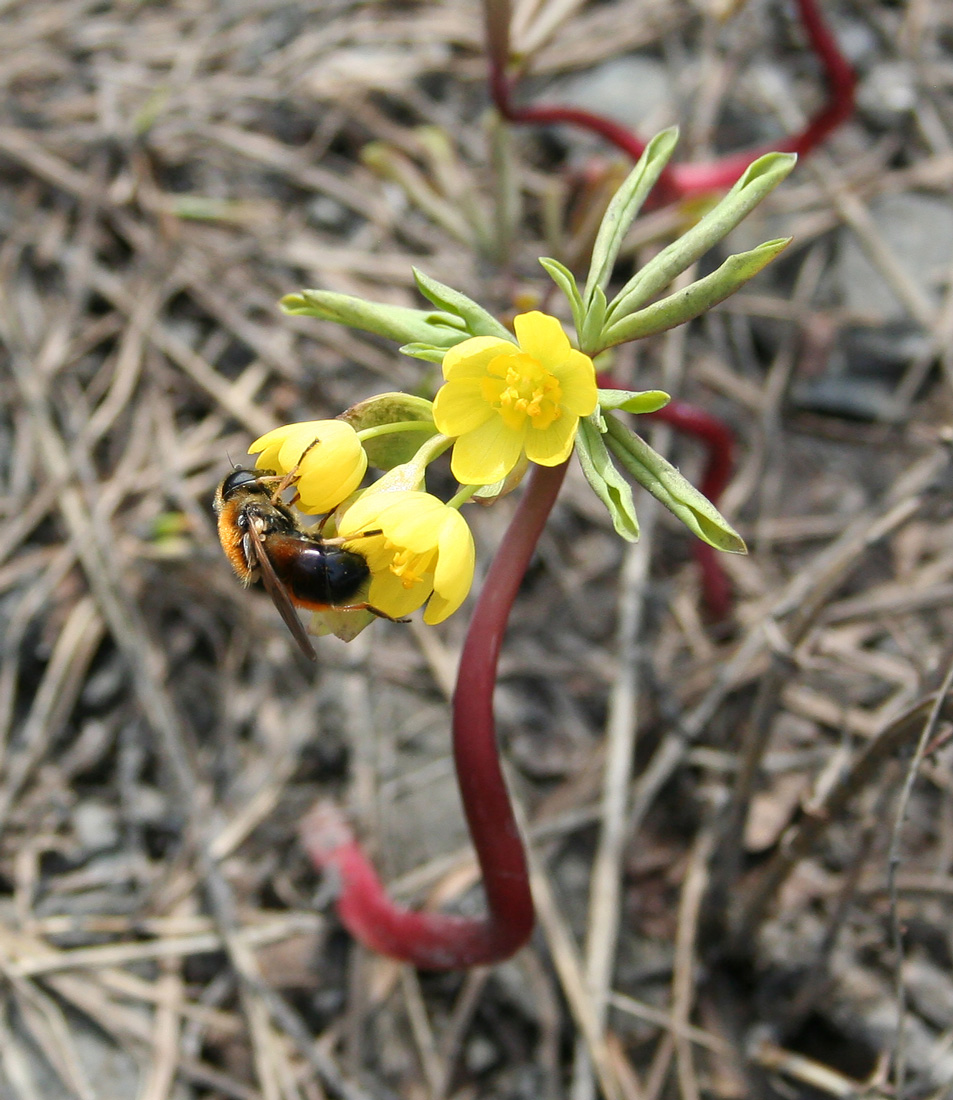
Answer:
(439, 941)
(680, 180)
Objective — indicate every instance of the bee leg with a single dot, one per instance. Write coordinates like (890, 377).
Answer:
(339, 541)
(292, 475)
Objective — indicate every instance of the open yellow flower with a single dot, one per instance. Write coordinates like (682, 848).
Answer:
(502, 399)
(424, 552)
(332, 461)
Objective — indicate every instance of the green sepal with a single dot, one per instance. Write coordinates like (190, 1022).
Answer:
(345, 625)
(566, 281)
(667, 485)
(477, 320)
(625, 205)
(760, 178)
(692, 301)
(606, 481)
(486, 494)
(400, 323)
(633, 401)
(390, 450)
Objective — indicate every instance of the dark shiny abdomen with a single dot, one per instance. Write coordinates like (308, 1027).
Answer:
(317, 576)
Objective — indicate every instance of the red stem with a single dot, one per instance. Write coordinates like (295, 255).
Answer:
(679, 180)
(438, 941)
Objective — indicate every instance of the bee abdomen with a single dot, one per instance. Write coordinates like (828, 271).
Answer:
(317, 576)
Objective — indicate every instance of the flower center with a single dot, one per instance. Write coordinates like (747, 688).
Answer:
(412, 568)
(519, 386)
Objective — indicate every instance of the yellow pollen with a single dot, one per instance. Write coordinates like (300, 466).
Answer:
(410, 567)
(527, 390)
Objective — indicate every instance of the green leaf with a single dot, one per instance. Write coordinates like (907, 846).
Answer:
(691, 301)
(566, 281)
(477, 320)
(758, 181)
(668, 486)
(644, 401)
(428, 352)
(406, 326)
(625, 205)
(606, 481)
(592, 324)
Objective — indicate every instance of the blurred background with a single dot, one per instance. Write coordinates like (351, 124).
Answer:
(772, 891)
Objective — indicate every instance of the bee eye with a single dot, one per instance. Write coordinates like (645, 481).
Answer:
(239, 479)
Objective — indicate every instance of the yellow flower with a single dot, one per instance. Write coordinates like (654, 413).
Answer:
(425, 550)
(502, 399)
(332, 461)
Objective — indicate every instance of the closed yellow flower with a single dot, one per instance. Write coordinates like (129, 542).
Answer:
(501, 400)
(331, 461)
(424, 554)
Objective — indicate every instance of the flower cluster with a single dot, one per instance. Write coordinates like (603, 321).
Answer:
(509, 399)
(503, 402)
(418, 549)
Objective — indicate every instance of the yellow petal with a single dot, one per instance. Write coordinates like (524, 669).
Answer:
(486, 454)
(552, 445)
(416, 523)
(455, 562)
(387, 593)
(437, 610)
(542, 337)
(268, 446)
(296, 442)
(577, 380)
(469, 358)
(268, 458)
(361, 515)
(460, 406)
(270, 440)
(330, 470)
(374, 549)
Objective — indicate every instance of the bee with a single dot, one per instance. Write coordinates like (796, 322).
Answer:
(263, 539)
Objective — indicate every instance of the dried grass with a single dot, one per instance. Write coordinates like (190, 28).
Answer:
(167, 172)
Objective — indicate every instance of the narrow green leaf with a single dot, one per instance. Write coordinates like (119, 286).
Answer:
(668, 486)
(399, 323)
(625, 205)
(478, 321)
(606, 481)
(428, 352)
(691, 301)
(643, 401)
(565, 280)
(591, 335)
(758, 181)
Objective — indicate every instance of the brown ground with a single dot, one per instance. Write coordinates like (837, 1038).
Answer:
(167, 172)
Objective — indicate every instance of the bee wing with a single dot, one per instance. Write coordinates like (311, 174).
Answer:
(277, 591)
